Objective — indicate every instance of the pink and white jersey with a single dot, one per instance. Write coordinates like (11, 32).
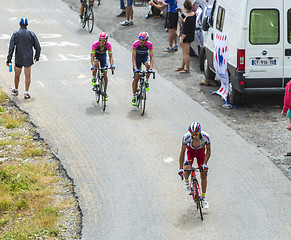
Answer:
(96, 48)
(142, 50)
(187, 140)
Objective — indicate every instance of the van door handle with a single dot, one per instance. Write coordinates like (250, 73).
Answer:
(270, 57)
(287, 52)
(211, 36)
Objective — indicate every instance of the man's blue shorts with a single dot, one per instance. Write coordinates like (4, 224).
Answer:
(102, 58)
(141, 59)
(128, 3)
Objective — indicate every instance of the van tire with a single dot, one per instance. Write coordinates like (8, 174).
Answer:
(234, 96)
(209, 75)
(191, 52)
(201, 59)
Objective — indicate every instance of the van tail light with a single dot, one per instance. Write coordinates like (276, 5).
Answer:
(240, 60)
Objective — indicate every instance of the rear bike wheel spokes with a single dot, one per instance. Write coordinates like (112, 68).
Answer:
(90, 19)
(142, 98)
(103, 95)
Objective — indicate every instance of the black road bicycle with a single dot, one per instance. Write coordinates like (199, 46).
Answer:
(88, 15)
(195, 189)
(141, 92)
(99, 89)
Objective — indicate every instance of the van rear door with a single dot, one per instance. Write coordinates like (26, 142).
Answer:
(287, 41)
(264, 44)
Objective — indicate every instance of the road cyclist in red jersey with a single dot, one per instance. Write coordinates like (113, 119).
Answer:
(195, 144)
(99, 58)
(142, 53)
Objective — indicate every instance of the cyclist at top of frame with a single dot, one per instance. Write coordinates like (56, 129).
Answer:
(142, 52)
(99, 57)
(195, 144)
(83, 2)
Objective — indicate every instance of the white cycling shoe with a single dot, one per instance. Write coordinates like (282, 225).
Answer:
(187, 188)
(205, 203)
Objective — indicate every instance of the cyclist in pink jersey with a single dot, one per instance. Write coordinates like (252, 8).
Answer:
(195, 144)
(142, 53)
(99, 57)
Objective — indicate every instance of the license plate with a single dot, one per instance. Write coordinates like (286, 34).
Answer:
(264, 62)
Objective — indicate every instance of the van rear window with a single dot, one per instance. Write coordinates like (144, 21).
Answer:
(264, 26)
(289, 25)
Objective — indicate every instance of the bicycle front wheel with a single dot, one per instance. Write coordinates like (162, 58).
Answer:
(103, 95)
(90, 19)
(98, 91)
(84, 16)
(142, 98)
(199, 206)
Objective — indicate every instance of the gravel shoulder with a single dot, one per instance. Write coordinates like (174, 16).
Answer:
(258, 120)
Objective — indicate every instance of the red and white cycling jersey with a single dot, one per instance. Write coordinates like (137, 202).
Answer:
(205, 140)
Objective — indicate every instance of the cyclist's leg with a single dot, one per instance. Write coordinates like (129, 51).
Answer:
(200, 155)
(136, 76)
(103, 64)
(83, 2)
(147, 64)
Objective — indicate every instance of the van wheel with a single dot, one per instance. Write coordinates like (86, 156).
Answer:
(191, 52)
(234, 96)
(209, 75)
(201, 59)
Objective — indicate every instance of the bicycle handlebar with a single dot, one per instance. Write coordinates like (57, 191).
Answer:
(199, 169)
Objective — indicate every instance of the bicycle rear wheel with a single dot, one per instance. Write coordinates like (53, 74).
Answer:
(84, 16)
(142, 98)
(103, 95)
(90, 19)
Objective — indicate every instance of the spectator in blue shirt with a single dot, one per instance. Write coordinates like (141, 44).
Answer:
(172, 22)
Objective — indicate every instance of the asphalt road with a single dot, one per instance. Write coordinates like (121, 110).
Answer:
(124, 166)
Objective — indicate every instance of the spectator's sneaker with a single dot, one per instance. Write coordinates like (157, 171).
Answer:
(81, 21)
(122, 14)
(147, 86)
(130, 22)
(175, 48)
(125, 23)
(106, 97)
(14, 91)
(94, 81)
(187, 188)
(205, 203)
(167, 49)
(26, 96)
(133, 102)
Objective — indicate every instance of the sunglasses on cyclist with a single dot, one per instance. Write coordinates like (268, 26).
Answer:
(102, 40)
(195, 134)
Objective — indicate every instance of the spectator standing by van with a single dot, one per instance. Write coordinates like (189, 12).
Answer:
(24, 41)
(287, 104)
(172, 21)
(187, 36)
(122, 7)
(287, 108)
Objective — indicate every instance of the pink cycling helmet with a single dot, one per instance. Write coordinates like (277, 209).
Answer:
(194, 128)
(103, 35)
(143, 36)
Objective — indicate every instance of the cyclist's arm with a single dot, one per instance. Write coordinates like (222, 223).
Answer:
(151, 59)
(110, 58)
(92, 58)
(208, 153)
(134, 59)
(182, 156)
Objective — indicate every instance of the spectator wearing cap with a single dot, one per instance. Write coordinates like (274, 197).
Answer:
(23, 40)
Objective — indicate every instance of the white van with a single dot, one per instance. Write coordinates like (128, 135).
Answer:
(259, 43)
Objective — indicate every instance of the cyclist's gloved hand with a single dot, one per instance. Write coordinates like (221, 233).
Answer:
(112, 67)
(180, 172)
(205, 166)
(150, 70)
(136, 70)
(92, 68)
